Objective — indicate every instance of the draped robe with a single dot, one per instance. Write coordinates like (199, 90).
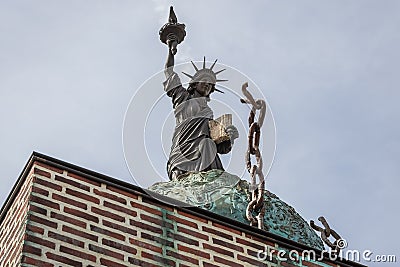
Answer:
(192, 148)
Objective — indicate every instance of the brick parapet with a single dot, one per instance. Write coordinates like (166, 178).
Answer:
(70, 219)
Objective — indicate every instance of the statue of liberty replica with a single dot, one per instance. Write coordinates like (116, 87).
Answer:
(195, 171)
(193, 149)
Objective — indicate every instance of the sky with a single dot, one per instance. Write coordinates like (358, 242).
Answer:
(71, 70)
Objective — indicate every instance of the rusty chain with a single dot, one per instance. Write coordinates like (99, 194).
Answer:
(256, 205)
(326, 233)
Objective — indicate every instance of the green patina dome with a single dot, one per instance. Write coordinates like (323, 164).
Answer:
(228, 195)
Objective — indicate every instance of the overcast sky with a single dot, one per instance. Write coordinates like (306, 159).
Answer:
(328, 69)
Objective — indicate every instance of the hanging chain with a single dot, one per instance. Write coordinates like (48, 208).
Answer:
(256, 205)
(338, 244)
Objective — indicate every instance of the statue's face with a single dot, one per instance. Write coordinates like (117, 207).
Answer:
(204, 88)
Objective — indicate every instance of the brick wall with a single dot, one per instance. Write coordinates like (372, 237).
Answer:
(81, 220)
(13, 226)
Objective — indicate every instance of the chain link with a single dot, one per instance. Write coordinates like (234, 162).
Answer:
(256, 205)
(326, 233)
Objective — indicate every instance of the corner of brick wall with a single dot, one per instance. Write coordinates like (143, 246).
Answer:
(13, 226)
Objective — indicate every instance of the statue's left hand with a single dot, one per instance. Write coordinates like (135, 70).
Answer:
(232, 132)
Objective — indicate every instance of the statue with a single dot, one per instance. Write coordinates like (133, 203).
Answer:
(193, 148)
(197, 177)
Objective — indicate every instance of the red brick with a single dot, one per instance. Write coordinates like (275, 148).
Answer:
(82, 196)
(83, 215)
(158, 221)
(40, 241)
(207, 264)
(160, 240)
(119, 246)
(31, 250)
(227, 244)
(40, 191)
(226, 228)
(66, 239)
(217, 233)
(106, 252)
(196, 252)
(218, 250)
(80, 178)
(196, 234)
(54, 169)
(145, 245)
(106, 262)
(264, 241)
(182, 257)
(121, 191)
(47, 184)
(37, 219)
(119, 208)
(45, 202)
(110, 196)
(139, 206)
(63, 259)
(79, 233)
(145, 226)
(36, 209)
(153, 203)
(107, 232)
(108, 214)
(11, 256)
(310, 264)
(69, 201)
(226, 262)
(41, 173)
(137, 262)
(77, 253)
(184, 239)
(22, 214)
(68, 219)
(182, 221)
(188, 215)
(15, 249)
(35, 229)
(158, 259)
(252, 261)
(35, 262)
(72, 183)
(121, 228)
(250, 244)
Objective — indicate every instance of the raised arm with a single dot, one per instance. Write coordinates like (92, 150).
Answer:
(171, 34)
(169, 65)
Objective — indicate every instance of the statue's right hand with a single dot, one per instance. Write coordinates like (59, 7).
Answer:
(172, 46)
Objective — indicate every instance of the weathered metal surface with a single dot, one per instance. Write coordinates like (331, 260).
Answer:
(227, 195)
(198, 188)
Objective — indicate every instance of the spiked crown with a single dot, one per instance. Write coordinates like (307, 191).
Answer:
(205, 74)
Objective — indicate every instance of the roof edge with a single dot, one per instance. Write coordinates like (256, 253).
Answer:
(92, 175)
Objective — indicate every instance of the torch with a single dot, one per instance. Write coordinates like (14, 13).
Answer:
(172, 33)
